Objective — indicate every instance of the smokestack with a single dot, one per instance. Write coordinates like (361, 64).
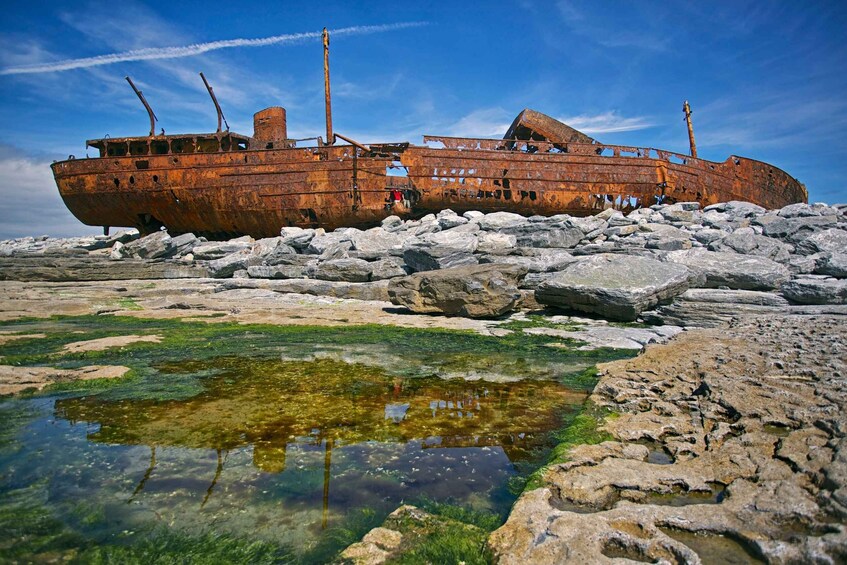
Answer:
(269, 127)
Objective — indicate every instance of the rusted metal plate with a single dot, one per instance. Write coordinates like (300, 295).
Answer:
(256, 186)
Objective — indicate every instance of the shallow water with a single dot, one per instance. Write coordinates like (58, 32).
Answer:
(276, 440)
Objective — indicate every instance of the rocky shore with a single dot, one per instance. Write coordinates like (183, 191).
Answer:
(725, 443)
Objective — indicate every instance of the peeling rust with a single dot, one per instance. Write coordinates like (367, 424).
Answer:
(224, 184)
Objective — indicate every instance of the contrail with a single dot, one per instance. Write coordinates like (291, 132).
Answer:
(148, 54)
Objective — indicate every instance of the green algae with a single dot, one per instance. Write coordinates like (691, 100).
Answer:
(290, 412)
(583, 429)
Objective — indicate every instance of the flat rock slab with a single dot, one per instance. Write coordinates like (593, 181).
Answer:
(713, 307)
(732, 270)
(816, 290)
(478, 291)
(107, 342)
(14, 379)
(617, 287)
(756, 408)
(611, 336)
(94, 268)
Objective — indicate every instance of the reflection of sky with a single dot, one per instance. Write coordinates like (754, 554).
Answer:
(396, 412)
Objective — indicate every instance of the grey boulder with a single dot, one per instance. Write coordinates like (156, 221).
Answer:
(814, 289)
(732, 270)
(478, 291)
(617, 287)
(347, 270)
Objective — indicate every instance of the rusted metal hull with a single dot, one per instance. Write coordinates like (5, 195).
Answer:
(257, 192)
(226, 194)
(532, 177)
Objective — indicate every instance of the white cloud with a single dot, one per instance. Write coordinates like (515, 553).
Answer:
(607, 122)
(153, 53)
(488, 122)
(31, 201)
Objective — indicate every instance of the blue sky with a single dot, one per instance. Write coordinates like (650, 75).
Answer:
(766, 79)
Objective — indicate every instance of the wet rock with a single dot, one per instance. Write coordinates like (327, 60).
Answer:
(753, 406)
(815, 289)
(617, 287)
(613, 337)
(732, 270)
(348, 270)
(477, 291)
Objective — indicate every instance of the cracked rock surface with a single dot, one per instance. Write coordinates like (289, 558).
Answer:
(730, 445)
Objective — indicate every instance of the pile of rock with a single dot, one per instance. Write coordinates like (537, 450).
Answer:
(614, 265)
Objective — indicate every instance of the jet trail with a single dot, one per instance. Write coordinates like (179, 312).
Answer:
(151, 53)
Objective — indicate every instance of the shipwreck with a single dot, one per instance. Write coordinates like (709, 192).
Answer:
(224, 184)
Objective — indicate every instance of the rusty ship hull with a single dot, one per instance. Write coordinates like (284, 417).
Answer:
(258, 191)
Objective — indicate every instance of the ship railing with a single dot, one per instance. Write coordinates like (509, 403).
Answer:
(169, 145)
(533, 146)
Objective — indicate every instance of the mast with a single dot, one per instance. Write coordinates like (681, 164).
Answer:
(150, 113)
(687, 110)
(329, 138)
(217, 106)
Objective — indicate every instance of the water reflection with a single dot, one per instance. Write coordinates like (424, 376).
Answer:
(273, 408)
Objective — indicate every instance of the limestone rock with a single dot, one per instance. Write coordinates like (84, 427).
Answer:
(154, 246)
(733, 270)
(321, 241)
(746, 242)
(227, 265)
(537, 264)
(831, 240)
(615, 286)
(832, 264)
(218, 249)
(813, 289)
(421, 259)
(389, 268)
(494, 243)
(349, 270)
(795, 230)
(710, 308)
(377, 243)
(477, 291)
(500, 220)
(295, 237)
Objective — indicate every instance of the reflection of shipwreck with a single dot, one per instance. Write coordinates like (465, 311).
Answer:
(226, 184)
(275, 406)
